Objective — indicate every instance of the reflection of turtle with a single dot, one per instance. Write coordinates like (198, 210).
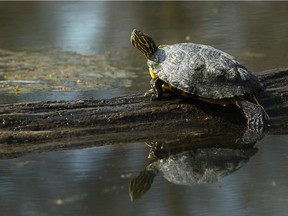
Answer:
(196, 166)
(203, 72)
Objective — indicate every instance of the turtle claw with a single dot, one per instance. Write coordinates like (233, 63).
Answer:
(256, 121)
(149, 93)
(255, 126)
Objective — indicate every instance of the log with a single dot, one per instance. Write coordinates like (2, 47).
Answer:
(52, 125)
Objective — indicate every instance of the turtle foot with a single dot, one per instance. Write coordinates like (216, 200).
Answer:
(149, 93)
(251, 136)
(255, 118)
(255, 114)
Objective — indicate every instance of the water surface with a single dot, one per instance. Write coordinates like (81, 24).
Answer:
(95, 182)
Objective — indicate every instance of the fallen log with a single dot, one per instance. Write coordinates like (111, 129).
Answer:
(50, 125)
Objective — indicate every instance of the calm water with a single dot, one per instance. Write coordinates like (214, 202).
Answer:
(95, 181)
(254, 32)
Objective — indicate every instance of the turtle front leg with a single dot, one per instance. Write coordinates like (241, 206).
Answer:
(254, 113)
(156, 90)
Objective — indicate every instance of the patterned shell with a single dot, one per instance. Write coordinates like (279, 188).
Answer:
(203, 71)
(202, 165)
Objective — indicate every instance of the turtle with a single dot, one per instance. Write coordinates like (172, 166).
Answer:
(190, 167)
(202, 72)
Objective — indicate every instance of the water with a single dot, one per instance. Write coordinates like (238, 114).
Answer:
(254, 32)
(95, 181)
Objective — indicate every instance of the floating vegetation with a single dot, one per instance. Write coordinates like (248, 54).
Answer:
(54, 70)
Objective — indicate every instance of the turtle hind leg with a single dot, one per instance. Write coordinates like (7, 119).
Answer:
(254, 113)
(254, 99)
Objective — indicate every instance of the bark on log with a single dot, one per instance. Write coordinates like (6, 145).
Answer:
(43, 126)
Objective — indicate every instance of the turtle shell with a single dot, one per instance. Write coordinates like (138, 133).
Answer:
(203, 71)
(202, 165)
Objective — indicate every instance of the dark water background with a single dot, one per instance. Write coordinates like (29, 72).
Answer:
(95, 181)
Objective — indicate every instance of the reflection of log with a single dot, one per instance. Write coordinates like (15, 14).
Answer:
(40, 126)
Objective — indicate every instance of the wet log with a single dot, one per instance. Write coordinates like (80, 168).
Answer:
(50, 125)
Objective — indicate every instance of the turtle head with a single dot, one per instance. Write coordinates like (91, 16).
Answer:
(143, 42)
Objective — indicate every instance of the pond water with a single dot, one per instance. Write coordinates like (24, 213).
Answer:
(254, 32)
(95, 181)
